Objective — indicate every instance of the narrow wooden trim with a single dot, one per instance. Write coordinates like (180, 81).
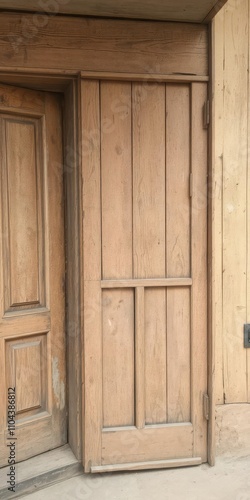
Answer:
(159, 464)
(139, 358)
(147, 77)
(199, 270)
(134, 283)
(211, 263)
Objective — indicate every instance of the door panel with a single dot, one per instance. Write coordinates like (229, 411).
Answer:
(145, 274)
(32, 335)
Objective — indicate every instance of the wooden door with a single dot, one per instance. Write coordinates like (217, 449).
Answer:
(32, 338)
(145, 261)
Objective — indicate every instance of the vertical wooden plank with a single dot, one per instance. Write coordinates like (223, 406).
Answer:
(178, 241)
(216, 183)
(91, 195)
(248, 211)
(73, 276)
(149, 232)
(215, 228)
(199, 270)
(139, 357)
(55, 253)
(155, 356)
(177, 181)
(116, 167)
(178, 355)
(149, 180)
(118, 357)
(234, 200)
(118, 305)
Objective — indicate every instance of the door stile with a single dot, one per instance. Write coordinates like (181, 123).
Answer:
(90, 103)
(199, 269)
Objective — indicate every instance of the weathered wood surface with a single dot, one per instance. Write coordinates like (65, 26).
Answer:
(144, 235)
(231, 214)
(68, 43)
(175, 10)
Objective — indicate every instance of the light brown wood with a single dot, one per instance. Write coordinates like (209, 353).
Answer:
(149, 180)
(199, 268)
(32, 321)
(91, 202)
(118, 358)
(25, 283)
(153, 283)
(248, 225)
(215, 265)
(216, 200)
(235, 202)
(116, 162)
(155, 356)
(178, 10)
(67, 43)
(154, 443)
(140, 357)
(160, 464)
(178, 238)
(126, 263)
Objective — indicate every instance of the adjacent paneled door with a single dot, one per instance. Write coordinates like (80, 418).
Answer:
(144, 152)
(32, 339)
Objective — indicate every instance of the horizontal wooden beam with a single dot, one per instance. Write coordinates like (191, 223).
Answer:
(134, 283)
(112, 45)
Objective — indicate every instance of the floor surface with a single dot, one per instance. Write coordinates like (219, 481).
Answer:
(228, 480)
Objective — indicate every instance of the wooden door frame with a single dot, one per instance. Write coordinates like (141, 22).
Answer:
(68, 83)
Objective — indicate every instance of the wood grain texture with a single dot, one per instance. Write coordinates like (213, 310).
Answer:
(118, 358)
(199, 270)
(140, 357)
(116, 167)
(80, 44)
(73, 228)
(151, 443)
(149, 181)
(25, 214)
(217, 152)
(178, 240)
(155, 356)
(178, 355)
(158, 353)
(177, 181)
(91, 204)
(234, 202)
(33, 339)
(178, 10)
(248, 222)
